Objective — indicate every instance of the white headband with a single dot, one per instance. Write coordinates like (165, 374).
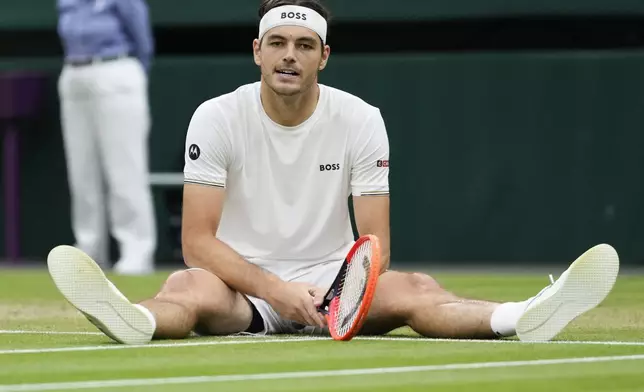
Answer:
(293, 15)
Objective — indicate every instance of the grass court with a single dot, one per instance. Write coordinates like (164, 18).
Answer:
(46, 345)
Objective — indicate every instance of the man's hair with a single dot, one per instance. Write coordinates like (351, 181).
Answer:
(315, 5)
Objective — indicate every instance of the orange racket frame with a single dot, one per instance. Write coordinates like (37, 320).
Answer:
(332, 297)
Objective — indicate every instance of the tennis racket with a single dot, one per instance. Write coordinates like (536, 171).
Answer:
(347, 302)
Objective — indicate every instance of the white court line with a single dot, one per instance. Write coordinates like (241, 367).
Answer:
(264, 339)
(155, 345)
(503, 341)
(19, 332)
(297, 375)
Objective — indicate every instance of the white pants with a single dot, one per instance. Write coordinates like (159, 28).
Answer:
(105, 122)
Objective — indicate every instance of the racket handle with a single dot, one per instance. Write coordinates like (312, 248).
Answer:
(333, 290)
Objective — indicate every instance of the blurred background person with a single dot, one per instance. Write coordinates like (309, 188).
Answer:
(108, 47)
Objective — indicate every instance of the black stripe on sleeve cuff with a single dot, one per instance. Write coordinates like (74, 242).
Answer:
(215, 184)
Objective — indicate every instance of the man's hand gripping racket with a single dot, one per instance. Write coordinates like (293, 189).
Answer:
(347, 302)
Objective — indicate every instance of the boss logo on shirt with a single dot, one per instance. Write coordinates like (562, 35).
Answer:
(335, 166)
(293, 15)
(382, 163)
(194, 152)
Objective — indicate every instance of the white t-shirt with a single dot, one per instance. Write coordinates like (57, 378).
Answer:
(287, 188)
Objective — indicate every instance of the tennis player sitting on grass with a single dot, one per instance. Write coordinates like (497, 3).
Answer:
(269, 168)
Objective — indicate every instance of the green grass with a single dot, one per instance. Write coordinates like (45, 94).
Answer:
(29, 301)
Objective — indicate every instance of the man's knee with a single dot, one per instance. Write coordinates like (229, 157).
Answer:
(416, 288)
(422, 283)
(197, 290)
(412, 284)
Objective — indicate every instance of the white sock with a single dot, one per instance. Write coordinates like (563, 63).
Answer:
(148, 313)
(505, 317)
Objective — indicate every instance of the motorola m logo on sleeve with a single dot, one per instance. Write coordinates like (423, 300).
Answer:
(194, 152)
(293, 15)
(335, 166)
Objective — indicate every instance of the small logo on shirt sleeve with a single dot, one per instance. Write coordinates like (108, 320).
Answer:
(383, 163)
(194, 152)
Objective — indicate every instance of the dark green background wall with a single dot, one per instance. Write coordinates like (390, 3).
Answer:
(29, 14)
(529, 155)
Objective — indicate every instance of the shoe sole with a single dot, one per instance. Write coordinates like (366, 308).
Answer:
(590, 279)
(84, 285)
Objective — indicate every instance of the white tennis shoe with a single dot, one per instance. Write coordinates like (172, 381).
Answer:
(583, 286)
(85, 286)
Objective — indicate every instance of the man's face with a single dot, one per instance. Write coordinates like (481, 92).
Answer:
(290, 58)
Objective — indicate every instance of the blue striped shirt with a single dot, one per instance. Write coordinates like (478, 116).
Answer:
(100, 28)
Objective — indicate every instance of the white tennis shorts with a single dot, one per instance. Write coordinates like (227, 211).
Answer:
(321, 275)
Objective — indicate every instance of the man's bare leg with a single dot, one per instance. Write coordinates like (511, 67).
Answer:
(197, 300)
(418, 301)
(189, 300)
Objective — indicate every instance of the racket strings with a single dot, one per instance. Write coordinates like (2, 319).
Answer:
(352, 288)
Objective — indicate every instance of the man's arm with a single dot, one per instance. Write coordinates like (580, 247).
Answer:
(208, 153)
(370, 183)
(202, 206)
(372, 217)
